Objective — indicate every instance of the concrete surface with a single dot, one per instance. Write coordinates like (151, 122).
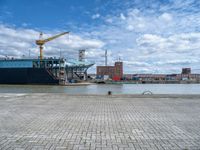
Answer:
(58, 121)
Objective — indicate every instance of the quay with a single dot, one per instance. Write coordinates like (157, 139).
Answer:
(99, 122)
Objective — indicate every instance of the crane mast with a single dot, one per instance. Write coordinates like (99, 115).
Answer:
(41, 42)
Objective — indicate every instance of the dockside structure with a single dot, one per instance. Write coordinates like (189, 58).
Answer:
(31, 71)
(36, 71)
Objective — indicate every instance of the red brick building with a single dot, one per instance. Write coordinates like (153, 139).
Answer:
(114, 72)
(105, 70)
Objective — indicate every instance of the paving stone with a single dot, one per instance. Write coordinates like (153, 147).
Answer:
(59, 121)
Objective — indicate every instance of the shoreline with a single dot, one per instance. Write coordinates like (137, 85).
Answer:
(184, 96)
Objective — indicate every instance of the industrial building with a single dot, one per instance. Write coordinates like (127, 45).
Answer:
(113, 72)
(184, 77)
(186, 70)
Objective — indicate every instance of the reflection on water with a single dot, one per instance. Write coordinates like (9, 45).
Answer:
(103, 89)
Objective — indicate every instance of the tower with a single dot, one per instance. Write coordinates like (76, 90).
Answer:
(82, 55)
(106, 58)
(118, 70)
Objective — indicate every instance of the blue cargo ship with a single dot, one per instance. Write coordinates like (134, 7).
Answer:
(32, 71)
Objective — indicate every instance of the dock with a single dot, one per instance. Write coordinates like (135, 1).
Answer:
(94, 122)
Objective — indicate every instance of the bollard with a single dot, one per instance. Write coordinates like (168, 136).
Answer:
(109, 93)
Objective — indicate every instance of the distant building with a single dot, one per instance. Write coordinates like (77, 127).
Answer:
(105, 70)
(185, 74)
(186, 70)
(114, 72)
(81, 55)
(118, 74)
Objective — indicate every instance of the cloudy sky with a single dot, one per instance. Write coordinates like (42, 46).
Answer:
(149, 36)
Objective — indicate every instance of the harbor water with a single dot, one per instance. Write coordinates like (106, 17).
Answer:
(104, 88)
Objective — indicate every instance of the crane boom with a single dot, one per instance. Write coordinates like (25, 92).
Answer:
(56, 36)
(41, 42)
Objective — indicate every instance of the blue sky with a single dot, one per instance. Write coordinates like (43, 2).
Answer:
(150, 36)
(56, 14)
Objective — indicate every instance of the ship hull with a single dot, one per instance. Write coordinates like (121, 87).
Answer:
(26, 76)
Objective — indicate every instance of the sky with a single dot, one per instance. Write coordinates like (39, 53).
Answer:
(149, 36)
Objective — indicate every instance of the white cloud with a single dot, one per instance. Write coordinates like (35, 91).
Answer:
(109, 20)
(153, 43)
(185, 42)
(16, 42)
(96, 16)
(166, 17)
(122, 16)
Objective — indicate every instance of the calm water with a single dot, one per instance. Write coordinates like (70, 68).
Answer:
(103, 89)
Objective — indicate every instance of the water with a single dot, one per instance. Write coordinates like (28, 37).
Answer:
(103, 89)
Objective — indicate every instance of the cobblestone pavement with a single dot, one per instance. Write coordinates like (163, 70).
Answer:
(53, 121)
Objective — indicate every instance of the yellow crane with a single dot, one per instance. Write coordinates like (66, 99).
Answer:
(41, 42)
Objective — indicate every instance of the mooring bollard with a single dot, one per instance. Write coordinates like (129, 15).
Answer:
(109, 93)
